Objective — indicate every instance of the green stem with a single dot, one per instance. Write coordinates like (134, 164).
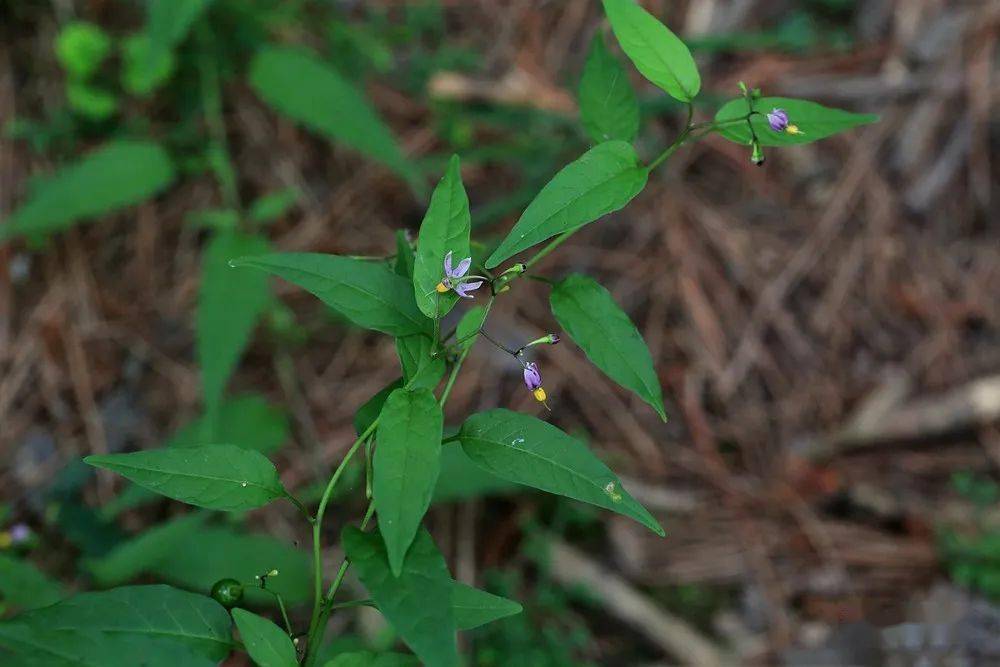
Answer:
(316, 633)
(212, 101)
(318, 524)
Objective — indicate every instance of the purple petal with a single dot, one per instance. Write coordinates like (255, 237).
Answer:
(778, 120)
(532, 378)
(463, 289)
(447, 264)
(462, 268)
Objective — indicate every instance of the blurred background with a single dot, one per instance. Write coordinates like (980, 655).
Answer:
(826, 327)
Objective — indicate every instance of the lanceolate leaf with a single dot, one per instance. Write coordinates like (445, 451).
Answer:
(370, 411)
(407, 455)
(160, 616)
(608, 106)
(421, 370)
(220, 477)
(229, 303)
(311, 92)
(418, 603)
(367, 293)
(602, 180)
(267, 644)
(119, 174)
(814, 120)
(589, 314)
(445, 229)
(526, 450)
(247, 421)
(657, 53)
(474, 607)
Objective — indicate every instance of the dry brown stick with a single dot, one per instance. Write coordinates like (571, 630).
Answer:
(838, 210)
(670, 633)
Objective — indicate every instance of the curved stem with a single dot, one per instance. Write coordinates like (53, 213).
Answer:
(316, 632)
(318, 523)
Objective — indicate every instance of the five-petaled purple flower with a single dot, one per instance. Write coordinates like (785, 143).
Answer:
(778, 120)
(533, 380)
(453, 278)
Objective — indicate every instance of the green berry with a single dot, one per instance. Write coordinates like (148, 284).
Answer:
(227, 592)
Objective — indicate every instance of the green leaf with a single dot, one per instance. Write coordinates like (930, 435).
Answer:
(273, 205)
(526, 450)
(159, 616)
(602, 180)
(656, 52)
(267, 644)
(372, 659)
(32, 646)
(230, 302)
(311, 92)
(589, 314)
(367, 293)
(420, 369)
(80, 48)
(202, 557)
(90, 101)
(474, 607)
(814, 120)
(461, 479)
(608, 107)
(137, 555)
(370, 411)
(247, 421)
(408, 447)
(119, 174)
(405, 256)
(24, 586)
(445, 229)
(144, 67)
(468, 328)
(220, 477)
(418, 603)
(171, 20)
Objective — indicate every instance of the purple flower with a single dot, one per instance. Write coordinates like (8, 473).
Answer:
(532, 378)
(453, 278)
(778, 120)
(19, 533)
